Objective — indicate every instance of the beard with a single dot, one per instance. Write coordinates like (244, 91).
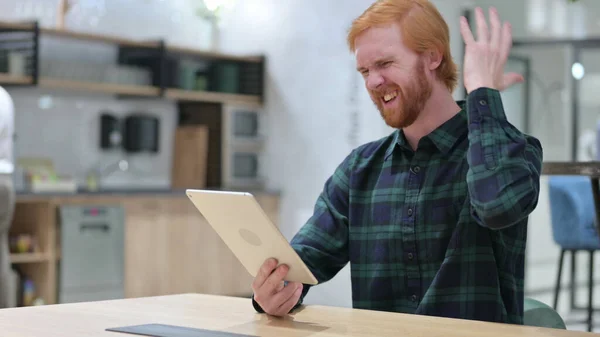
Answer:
(411, 99)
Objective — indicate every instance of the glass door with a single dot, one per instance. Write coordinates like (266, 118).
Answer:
(516, 98)
(585, 71)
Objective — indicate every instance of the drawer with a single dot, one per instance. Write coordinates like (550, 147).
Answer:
(92, 246)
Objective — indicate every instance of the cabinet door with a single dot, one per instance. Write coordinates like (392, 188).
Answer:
(145, 247)
(171, 249)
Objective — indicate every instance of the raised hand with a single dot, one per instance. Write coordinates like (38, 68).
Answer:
(485, 57)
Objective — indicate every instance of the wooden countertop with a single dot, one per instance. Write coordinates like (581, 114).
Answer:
(591, 168)
(236, 315)
(83, 195)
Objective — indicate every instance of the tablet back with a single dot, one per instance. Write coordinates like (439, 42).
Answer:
(248, 232)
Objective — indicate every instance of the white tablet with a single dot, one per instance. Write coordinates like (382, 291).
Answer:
(248, 232)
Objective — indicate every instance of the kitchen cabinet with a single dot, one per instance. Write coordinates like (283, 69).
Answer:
(153, 69)
(169, 248)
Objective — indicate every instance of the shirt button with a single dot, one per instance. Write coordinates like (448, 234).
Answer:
(410, 211)
(483, 102)
(413, 298)
(410, 256)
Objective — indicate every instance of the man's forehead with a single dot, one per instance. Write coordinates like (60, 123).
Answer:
(378, 43)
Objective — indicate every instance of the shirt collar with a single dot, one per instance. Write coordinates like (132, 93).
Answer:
(443, 138)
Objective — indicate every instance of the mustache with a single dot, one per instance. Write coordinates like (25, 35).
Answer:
(386, 90)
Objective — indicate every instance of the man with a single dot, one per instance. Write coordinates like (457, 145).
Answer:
(433, 218)
(7, 198)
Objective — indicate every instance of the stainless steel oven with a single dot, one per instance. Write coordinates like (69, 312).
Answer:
(243, 147)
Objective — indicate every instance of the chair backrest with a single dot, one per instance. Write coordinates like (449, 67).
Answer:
(571, 211)
(536, 313)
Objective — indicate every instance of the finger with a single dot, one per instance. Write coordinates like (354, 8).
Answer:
(482, 27)
(263, 273)
(506, 41)
(511, 79)
(272, 282)
(273, 304)
(280, 286)
(495, 28)
(465, 31)
(288, 291)
(289, 304)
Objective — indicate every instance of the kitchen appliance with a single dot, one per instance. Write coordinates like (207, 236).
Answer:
(242, 147)
(91, 267)
(224, 76)
(110, 131)
(236, 137)
(242, 167)
(142, 133)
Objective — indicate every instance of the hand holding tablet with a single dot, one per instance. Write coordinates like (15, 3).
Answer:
(261, 248)
(249, 233)
(271, 294)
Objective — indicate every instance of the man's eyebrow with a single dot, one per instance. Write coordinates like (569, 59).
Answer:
(379, 62)
(384, 60)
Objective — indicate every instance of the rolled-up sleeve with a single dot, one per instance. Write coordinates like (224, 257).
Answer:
(504, 163)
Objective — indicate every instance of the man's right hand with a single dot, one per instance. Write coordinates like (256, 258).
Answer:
(269, 290)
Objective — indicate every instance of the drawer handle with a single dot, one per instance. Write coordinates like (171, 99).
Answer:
(94, 227)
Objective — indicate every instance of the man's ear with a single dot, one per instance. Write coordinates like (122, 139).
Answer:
(434, 59)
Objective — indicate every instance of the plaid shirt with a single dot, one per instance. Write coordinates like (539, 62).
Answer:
(438, 231)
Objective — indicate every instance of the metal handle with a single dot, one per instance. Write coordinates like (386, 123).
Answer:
(102, 227)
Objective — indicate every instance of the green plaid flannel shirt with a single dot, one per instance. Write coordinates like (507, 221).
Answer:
(438, 231)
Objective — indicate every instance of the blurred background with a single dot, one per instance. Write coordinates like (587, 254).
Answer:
(119, 105)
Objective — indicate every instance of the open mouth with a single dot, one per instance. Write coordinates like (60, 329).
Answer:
(389, 97)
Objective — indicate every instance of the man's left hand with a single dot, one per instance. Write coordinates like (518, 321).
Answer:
(485, 57)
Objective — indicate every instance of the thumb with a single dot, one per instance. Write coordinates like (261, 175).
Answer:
(511, 79)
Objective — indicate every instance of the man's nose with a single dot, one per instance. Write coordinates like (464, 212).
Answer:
(374, 81)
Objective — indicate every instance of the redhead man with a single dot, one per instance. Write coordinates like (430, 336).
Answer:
(432, 218)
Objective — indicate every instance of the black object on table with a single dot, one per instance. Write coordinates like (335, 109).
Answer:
(165, 330)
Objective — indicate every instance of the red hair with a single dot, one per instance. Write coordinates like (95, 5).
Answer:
(422, 27)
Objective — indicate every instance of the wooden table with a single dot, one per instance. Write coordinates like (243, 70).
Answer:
(589, 169)
(236, 315)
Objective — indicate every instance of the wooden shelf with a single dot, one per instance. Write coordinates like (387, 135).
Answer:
(213, 55)
(29, 257)
(65, 33)
(12, 79)
(134, 90)
(38, 220)
(108, 88)
(15, 25)
(251, 72)
(98, 38)
(217, 97)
